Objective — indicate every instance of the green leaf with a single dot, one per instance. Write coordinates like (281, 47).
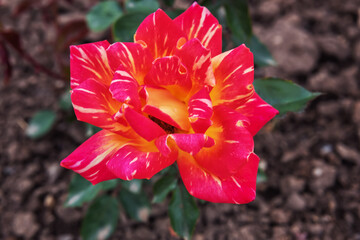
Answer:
(147, 6)
(91, 130)
(169, 3)
(101, 219)
(283, 95)
(81, 190)
(262, 55)
(133, 186)
(102, 15)
(163, 187)
(183, 212)
(65, 101)
(261, 176)
(125, 27)
(238, 19)
(40, 124)
(136, 205)
(174, 13)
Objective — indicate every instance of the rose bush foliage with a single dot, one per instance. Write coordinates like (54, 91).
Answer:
(172, 95)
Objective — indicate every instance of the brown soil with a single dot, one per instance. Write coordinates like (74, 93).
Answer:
(312, 159)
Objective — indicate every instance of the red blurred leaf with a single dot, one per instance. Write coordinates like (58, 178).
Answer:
(4, 61)
(71, 32)
(13, 39)
(24, 6)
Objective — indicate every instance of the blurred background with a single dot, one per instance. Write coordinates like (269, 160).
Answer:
(310, 160)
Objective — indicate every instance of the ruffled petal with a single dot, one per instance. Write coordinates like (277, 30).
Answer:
(161, 104)
(142, 125)
(140, 160)
(198, 22)
(238, 187)
(159, 34)
(94, 104)
(200, 111)
(197, 60)
(124, 87)
(89, 61)
(234, 74)
(168, 72)
(132, 56)
(233, 143)
(89, 160)
(258, 112)
(190, 143)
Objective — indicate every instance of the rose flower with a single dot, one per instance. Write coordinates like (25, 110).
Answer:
(170, 96)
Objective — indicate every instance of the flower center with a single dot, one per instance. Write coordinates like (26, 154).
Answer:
(167, 127)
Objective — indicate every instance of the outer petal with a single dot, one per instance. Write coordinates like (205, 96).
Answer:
(94, 104)
(139, 161)
(258, 112)
(160, 103)
(197, 60)
(159, 34)
(234, 74)
(233, 143)
(124, 87)
(89, 61)
(168, 72)
(238, 187)
(132, 56)
(198, 22)
(200, 111)
(142, 125)
(91, 157)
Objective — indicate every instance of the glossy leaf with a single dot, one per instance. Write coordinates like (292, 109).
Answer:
(125, 27)
(81, 190)
(262, 55)
(100, 219)
(163, 187)
(238, 19)
(134, 186)
(183, 212)
(283, 95)
(136, 205)
(40, 124)
(169, 3)
(141, 5)
(91, 130)
(65, 101)
(102, 15)
(261, 176)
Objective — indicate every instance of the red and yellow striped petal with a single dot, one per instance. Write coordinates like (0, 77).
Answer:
(159, 34)
(160, 103)
(139, 161)
(94, 104)
(142, 125)
(89, 160)
(124, 87)
(89, 61)
(198, 22)
(197, 60)
(238, 187)
(233, 143)
(234, 74)
(190, 143)
(168, 72)
(132, 56)
(258, 112)
(200, 111)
